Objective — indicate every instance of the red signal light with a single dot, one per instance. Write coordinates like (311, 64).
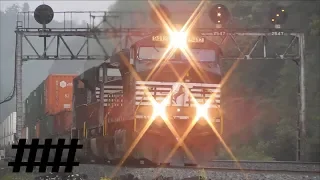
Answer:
(219, 14)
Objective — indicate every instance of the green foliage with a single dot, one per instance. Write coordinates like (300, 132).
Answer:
(315, 27)
(17, 176)
(244, 153)
(274, 128)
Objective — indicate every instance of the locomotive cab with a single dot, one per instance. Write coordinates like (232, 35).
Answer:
(178, 88)
(168, 100)
(190, 78)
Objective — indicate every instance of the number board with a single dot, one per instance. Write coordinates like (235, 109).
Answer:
(192, 39)
(277, 33)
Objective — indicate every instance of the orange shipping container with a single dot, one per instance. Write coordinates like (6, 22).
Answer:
(23, 133)
(58, 93)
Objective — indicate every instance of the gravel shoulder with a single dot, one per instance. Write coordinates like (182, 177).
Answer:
(96, 172)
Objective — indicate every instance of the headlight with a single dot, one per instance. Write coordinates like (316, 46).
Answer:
(160, 109)
(178, 39)
(202, 111)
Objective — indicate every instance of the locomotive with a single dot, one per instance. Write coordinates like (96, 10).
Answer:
(150, 107)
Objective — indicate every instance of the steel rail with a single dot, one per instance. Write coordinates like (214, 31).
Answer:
(248, 170)
(264, 162)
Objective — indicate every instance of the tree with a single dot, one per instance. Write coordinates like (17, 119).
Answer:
(25, 7)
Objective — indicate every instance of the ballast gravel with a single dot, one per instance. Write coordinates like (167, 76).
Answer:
(103, 172)
(96, 172)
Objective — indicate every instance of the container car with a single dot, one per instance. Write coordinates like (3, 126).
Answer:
(8, 130)
(51, 97)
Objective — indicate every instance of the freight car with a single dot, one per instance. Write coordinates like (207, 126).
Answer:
(117, 102)
(48, 110)
(8, 130)
(8, 133)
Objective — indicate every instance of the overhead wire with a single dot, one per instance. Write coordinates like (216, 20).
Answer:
(11, 95)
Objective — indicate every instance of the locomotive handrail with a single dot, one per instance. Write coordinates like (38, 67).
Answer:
(135, 113)
(221, 121)
(221, 116)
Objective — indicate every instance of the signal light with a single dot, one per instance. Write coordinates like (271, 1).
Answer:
(163, 10)
(219, 14)
(278, 15)
(43, 14)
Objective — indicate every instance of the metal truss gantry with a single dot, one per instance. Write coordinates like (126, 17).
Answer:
(294, 50)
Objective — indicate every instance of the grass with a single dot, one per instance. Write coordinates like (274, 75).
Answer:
(17, 176)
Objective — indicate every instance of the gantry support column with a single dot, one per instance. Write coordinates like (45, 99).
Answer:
(18, 85)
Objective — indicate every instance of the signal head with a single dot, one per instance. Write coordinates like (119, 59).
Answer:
(163, 10)
(219, 14)
(43, 14)
(278, 15)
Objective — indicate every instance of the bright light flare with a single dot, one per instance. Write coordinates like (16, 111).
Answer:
(178, 40)
(202, 111)
(160, 109)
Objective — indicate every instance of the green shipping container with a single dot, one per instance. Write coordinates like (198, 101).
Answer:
(30, 116)
(34, 105)
(40, 99)
(46, 126)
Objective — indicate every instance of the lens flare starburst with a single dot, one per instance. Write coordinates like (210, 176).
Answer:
(178, 40)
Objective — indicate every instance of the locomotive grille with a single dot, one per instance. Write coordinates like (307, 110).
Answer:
(159, 90)
(112, 95)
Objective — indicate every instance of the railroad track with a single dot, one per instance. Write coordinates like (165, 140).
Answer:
(250, 170)
(249, 166)
(271, 166)
(282, 168)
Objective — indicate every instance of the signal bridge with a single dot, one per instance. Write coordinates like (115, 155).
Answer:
(233, 42)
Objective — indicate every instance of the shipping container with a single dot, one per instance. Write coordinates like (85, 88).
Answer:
(63, 122)
(31, 132)
(33, 108)
(58, 93)
(52, 96)
(24, 133)
(46, 126)
(27, 133)
(8, 129)
(37, 129)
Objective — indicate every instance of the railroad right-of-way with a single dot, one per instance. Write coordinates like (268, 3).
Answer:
(218, 170)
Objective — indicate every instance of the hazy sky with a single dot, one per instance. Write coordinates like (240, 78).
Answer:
(60, 5)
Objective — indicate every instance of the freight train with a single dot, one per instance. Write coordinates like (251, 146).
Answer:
(132, 103)
(7, 134)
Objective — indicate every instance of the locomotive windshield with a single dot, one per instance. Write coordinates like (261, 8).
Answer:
(149, 53)
(208, 55)
(156, 53)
